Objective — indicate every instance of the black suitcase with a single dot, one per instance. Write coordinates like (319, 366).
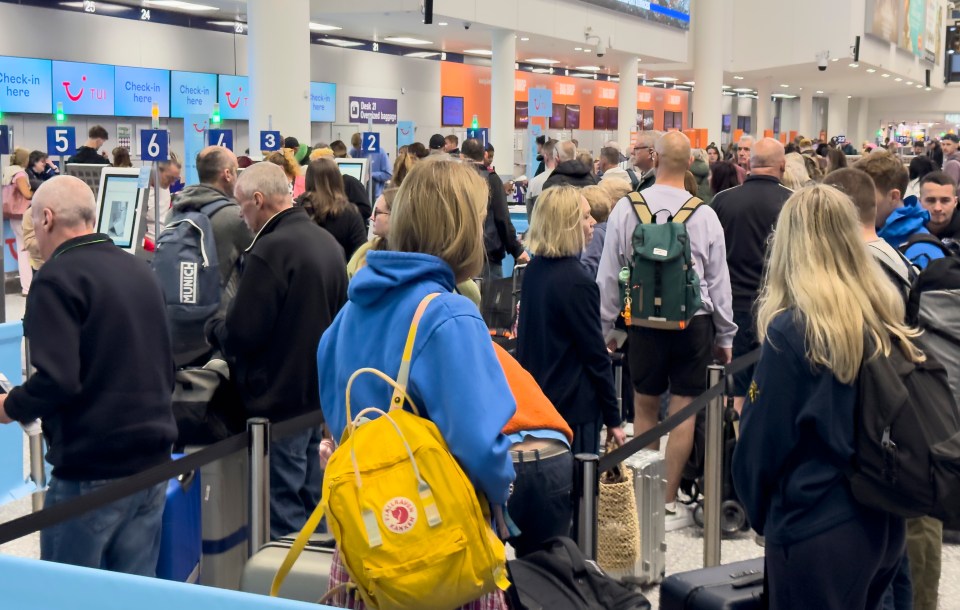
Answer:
(735, 586)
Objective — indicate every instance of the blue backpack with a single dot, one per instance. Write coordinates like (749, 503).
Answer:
(187, 265)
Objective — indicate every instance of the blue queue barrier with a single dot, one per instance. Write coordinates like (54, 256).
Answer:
(518, 216)
(12, 482)
(42, 585)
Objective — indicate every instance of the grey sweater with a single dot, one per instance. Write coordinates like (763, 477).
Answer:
(707, 247)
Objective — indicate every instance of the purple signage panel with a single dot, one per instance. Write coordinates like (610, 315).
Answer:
(383, 111)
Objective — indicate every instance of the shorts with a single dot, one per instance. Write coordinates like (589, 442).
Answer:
(744, 342)
(672, 359)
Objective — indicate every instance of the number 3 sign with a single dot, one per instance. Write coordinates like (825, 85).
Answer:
(154, 145)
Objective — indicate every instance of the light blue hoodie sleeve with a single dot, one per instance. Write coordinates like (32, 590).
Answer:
(463, 390)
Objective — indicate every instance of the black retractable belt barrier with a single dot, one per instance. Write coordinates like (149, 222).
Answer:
(613, 458)
(127, 486)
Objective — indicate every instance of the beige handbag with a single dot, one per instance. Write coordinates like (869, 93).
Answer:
(618, 531)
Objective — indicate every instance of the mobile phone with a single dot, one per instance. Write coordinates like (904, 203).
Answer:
(5, 385)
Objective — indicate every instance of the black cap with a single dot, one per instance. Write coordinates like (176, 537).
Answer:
(436, 141)
(952, 137)
(291, 142)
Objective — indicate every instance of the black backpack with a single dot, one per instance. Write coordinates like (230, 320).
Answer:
(559, 577)
(907, 444)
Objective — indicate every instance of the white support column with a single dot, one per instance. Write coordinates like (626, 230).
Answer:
(501, 99)
(279, 87)
(764, 107)
(708, 65)
(837, 112)
(627, 102)
(865, 131)
(805, 120)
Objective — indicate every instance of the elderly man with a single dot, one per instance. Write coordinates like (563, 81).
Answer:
(169, 173)
(748, 214)
(674, 359)
(569, 169)
(294, 282)
(102, 385)
(644, 159)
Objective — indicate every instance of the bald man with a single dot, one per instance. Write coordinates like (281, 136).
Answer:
(213, 197)
(671, 359)
(294, 282)
(102, 384)
(748, 214)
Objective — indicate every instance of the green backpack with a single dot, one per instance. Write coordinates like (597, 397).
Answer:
(660, 289)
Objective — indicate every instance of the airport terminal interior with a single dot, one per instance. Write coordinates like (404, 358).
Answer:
(615, 254)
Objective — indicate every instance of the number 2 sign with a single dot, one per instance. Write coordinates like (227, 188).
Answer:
(154, 145)
(371, 142)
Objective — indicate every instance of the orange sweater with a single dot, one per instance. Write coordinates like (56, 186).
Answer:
(534, 409)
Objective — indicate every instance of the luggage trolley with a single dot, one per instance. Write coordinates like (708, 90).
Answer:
(500, 307)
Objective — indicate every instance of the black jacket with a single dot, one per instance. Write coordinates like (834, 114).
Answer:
(85, 154)
(347, 227)
(559, 340)
(293, 284)
(357, 195)
(573, 173)
(104, 372)
(748, 214)
(499, 234)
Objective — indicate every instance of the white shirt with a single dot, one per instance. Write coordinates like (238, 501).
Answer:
(536, 185)
(150, 217)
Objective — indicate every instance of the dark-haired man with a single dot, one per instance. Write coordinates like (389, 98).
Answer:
(217, 170)
(951, 156)
(451, 145)
(90, 151)
(938, 196)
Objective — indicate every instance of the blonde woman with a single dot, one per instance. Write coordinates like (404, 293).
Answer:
(436, 240)
(559, 340)
(823, 295)
(601, 199)
(17, 194)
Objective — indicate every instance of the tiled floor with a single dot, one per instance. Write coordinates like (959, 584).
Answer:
(684, 547)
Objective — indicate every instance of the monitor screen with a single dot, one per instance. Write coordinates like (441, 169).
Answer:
(573, 116)
(192, 93)
(352, 167)
(118, 209)
(83, 88)
(726, 123)
(451, 111)
(521, 115)
(556, 119)
(613, 118)
(600, 117)
(234, 97)
(323, 102)
(138, 89)
(25, 85)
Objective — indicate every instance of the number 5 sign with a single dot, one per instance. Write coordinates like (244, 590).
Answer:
(61, 141)
(154, 145)
(371, 142)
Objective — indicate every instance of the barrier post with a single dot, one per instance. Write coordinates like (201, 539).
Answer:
(712, 473)
(38, 473)
(258, 452)
(586, 485)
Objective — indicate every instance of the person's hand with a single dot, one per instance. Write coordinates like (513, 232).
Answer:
(612, 346)
(723, 355)
(523, 259)
(4, 418)
(326, 450)
(616, 436)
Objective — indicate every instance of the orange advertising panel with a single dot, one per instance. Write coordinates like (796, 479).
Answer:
(473, 84)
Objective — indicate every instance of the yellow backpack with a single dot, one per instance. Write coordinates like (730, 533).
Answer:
(412, 531)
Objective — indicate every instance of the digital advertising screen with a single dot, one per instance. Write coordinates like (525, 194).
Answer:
(138, 89)
(234, 97)
(572, 119)
(556, 119)
(521, 115)
(674, 13)
(118, 209)
(451, 111)
(83, 88)
(25, 85)
(600, 118)
(613, 118)
(192, 93)
(323, 102)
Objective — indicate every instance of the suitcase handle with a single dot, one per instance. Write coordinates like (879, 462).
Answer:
(750, 578)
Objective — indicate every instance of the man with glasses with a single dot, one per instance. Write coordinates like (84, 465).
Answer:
(644, 158)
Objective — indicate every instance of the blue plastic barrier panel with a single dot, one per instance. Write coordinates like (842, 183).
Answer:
(12, 485)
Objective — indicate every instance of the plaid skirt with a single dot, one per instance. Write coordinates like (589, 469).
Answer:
(343, 599)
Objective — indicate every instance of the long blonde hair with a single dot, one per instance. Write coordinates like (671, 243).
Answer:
(819, 266)
(555, 230)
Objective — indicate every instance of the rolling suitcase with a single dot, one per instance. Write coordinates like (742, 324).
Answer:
(309, 577)
(180, 535)
(735, 586)
(650, 486)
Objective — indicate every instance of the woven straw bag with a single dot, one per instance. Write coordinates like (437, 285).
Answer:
(618, 531)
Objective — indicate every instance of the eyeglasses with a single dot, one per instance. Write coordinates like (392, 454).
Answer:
(377, 212)
(639, 148)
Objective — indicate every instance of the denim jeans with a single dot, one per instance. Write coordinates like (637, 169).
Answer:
(121, 537)
(541, 504)
(295, 481)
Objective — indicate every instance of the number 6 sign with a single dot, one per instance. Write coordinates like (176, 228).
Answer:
(154, 145)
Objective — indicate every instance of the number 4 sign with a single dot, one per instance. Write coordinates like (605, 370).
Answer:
(220, 137)
(154, 145)
(371, 142)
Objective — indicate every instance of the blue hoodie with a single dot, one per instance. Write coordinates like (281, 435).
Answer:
(455, 378)
(903, 223)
